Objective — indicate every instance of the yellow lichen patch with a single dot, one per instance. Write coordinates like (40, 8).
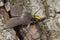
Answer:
(37, 16)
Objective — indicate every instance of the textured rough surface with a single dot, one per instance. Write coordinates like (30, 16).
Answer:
(1, 3)
(31, 33)
(7, 34)
(49, 29)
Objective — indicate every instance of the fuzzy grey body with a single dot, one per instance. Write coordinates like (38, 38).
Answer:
(16, 10)
(23, 17)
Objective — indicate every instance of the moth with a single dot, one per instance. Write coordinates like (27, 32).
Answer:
(20, 16)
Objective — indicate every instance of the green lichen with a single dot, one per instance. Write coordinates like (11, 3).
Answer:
(46, 8)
